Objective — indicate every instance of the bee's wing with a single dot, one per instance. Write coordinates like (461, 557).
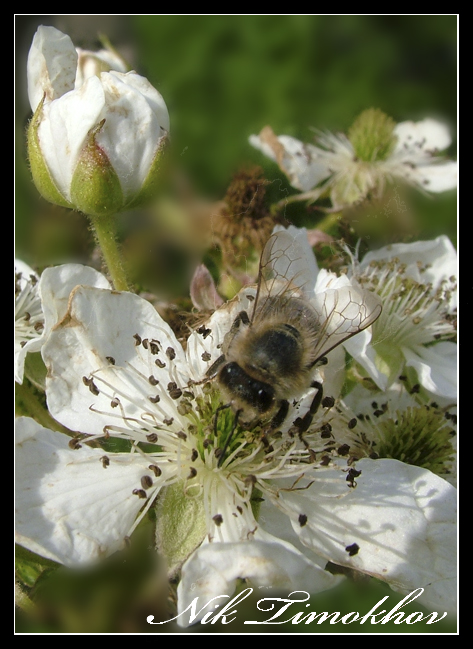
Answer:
(342, 313)
(287, 268)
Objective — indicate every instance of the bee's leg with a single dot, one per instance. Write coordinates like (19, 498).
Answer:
(303, 423)
(280, 416)
(214, 368)
(230, 434)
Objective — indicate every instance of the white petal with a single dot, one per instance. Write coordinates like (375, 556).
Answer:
(134, 121)
(403, 519)
(436, 367)
(56, 285)
(288, 255)
(435, 177)
(70, 508)
(343, 313)
(99, 325)
(361, 349)
(51, 67)
(438, 255)
(207, 344)
(62, 135)
(213, 570)
(427, 135)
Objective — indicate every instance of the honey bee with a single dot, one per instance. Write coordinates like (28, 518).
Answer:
(270, 356)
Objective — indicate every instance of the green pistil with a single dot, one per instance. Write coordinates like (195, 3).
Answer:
(372, 135)
(207, 433)
(421, 436)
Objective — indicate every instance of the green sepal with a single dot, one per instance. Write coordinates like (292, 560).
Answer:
(95, 187)
(180, 526)
(39, 169)
(30, 566)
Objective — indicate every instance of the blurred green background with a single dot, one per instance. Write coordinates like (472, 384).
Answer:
(224, 78)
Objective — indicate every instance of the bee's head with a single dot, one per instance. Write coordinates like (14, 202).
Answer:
(254, 398)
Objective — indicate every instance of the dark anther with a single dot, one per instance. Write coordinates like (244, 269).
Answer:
(137, 340)
(141, 493)
(155, 469)
(344, 449)
(154, 348)
(153, 380)
(328, 402)
(152, 438)
(174, 391)
(146, 482)
(326, 431)
(218, 519)
(105, 461)
(110, 359)
(352, 423)
(170, 353)
(351, 475)
(352, 549)
(302, 520)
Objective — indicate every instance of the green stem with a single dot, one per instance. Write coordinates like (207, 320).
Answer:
(329, 221)
(106, 233)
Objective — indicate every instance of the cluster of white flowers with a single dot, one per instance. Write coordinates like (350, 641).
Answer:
(117, 371)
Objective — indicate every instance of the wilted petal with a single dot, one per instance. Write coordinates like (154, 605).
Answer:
(56, 285)
(203, 292)
(299, 161)
(71, 507)
(398, 524)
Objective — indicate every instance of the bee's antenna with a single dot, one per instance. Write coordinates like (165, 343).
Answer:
(230, 434)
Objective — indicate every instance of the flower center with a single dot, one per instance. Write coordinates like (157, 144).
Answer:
(372, 135)
(413, 313)
(29, 320)
(421, 435)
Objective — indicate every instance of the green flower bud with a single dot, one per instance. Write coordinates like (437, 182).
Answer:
(96, 144)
